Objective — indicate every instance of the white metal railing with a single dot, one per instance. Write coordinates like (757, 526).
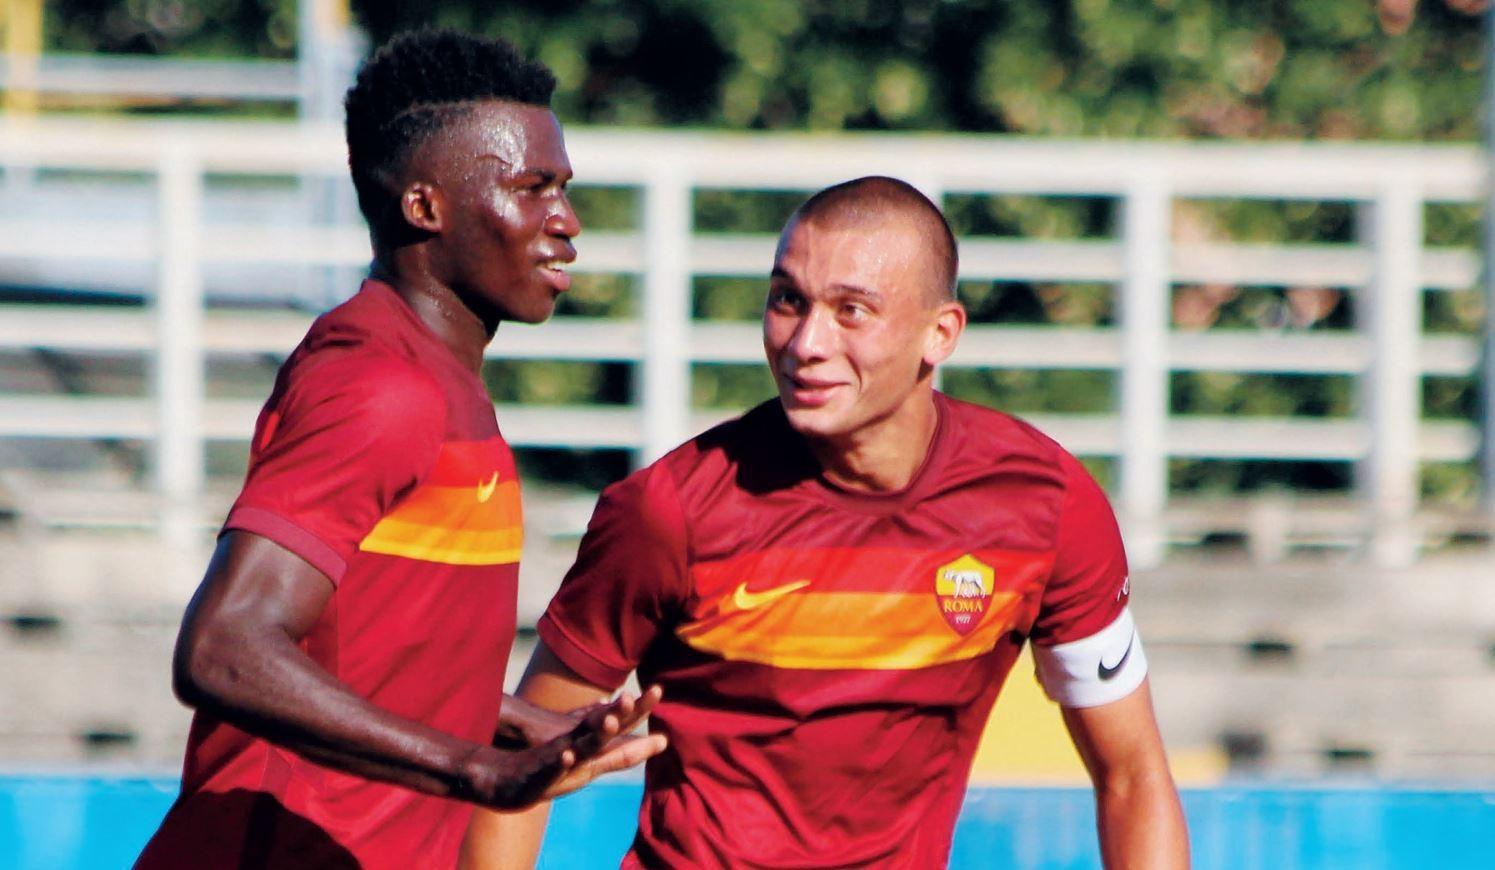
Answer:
(1389, 271)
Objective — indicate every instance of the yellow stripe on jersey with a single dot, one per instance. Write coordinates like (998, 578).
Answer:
(452, 546)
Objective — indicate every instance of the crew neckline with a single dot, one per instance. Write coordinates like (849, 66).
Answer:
(392, 298)
(887, 502)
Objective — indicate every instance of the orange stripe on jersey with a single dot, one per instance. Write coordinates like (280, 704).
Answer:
(466, 512)
(846, 630)
(437, 505)
(870, 609)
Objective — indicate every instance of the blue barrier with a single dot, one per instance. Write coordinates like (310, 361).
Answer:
(58, 822)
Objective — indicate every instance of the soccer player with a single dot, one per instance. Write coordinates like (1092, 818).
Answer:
(832, 588)
(346, 650)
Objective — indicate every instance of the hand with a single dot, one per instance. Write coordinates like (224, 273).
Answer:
(513, 780)
(619, 753)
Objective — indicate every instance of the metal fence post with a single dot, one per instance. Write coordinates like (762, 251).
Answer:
(1391, 395)
(666, 312)
(1486, 372)
(1144, 319)
(179, 375)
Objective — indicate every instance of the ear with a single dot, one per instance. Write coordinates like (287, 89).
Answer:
(939, 342)
(422, 206)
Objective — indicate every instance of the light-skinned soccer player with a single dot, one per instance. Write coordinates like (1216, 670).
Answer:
(832, 588)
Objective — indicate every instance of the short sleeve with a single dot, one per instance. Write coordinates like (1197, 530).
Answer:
(1088, 588)
(334, 450)
(629, 580)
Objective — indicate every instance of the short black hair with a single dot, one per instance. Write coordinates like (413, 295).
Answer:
(417, 83)
(874, 196)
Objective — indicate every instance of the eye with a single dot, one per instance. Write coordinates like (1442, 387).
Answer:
(536, 182)
(854, 312)
(784, 299)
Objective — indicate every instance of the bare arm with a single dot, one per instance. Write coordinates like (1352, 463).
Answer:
(237, 658)
(511, 841)
(1138, 814)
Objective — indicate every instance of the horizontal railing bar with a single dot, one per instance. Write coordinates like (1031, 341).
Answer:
(79, 328)
(233, 420)
(1201, 437)
(978, 163)
(104, 74)
(600, 426)
(982, 259)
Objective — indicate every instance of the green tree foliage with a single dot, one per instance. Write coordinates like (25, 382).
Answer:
(1157, 68)
(1195, 69)
(199, 28)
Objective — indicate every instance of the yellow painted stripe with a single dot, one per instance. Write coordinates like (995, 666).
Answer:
(847, 630)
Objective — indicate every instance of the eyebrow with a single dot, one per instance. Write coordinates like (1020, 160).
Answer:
(858, 290)
(866, 293)
(518, 170)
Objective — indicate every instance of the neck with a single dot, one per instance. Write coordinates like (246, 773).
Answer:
(884, 456)
(441, 310)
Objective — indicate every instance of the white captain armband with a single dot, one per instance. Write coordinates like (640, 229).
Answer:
(1104, 667)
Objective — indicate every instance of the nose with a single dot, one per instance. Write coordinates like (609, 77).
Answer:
(562, 220)
(812, 338)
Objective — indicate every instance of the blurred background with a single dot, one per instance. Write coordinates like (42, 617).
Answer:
(1229, 253)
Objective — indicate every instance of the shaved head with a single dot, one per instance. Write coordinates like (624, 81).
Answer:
(878, 199)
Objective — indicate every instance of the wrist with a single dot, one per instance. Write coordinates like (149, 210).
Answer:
(473, 774)
(519, 715)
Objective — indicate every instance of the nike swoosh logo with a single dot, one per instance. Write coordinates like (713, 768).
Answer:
(745, 600)
(1107, 673)
(485, 490)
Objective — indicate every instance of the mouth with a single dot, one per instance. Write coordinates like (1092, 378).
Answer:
(553, 271)
(807, 392)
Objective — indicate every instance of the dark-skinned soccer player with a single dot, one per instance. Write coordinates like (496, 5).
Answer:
(346, 649)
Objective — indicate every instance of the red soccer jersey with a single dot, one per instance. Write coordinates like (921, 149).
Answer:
(378, 460)
(829, 659)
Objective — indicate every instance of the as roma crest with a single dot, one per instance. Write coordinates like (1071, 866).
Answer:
(964, 588)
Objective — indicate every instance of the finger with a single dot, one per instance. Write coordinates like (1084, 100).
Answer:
(636, 751)
(648, 701)
(630, 754)
(593, 734)
(642, 708)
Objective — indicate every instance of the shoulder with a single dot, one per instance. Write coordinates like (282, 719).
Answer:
(988, 435)
(756, 452)
(361, 392)
(378, 381)
(750, 453)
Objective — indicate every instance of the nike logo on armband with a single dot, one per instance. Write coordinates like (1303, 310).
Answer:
(1106, 672)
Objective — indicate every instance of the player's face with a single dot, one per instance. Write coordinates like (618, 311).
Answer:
(506, 237)
(849, 328)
